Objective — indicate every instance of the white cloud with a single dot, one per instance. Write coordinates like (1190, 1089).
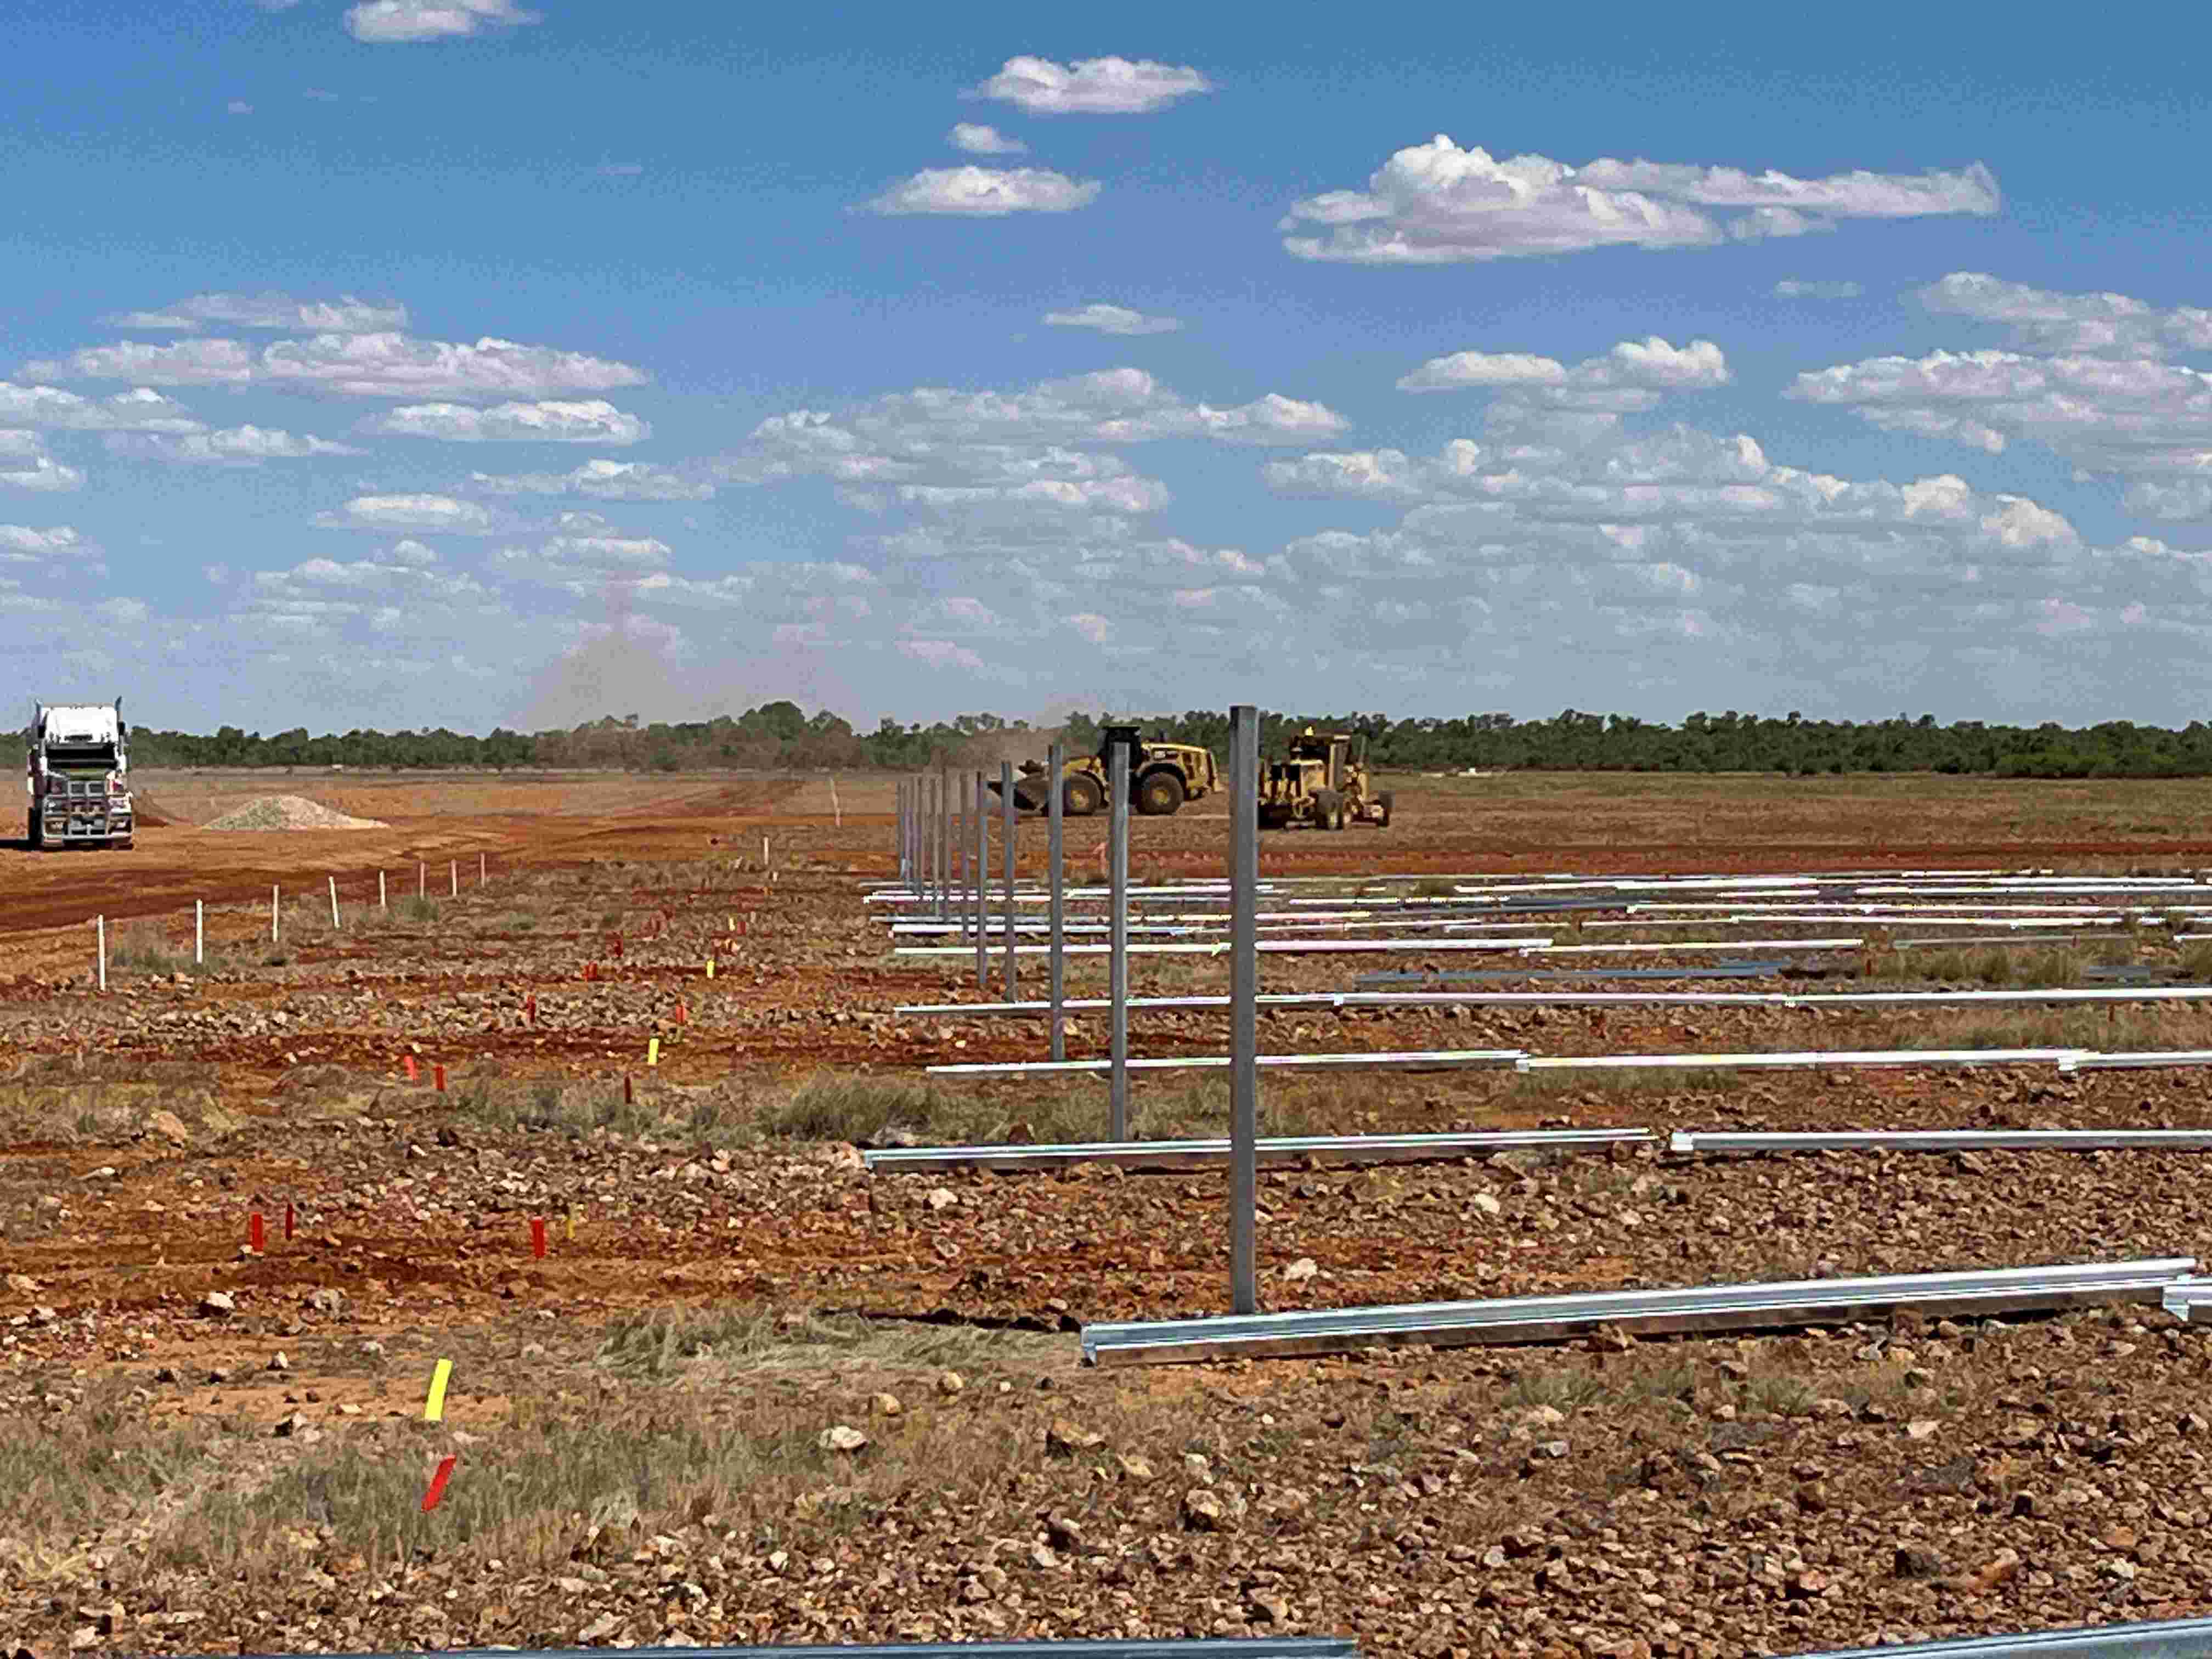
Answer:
(2070, 324)
(141, 411)
(985, 193)
(372, 364)
(343, 315)
(2131, 417)
(408, 552)
(980, 140)
(602, 480)
(43, 543)
(1436, 203)
(431, 513)
(941, 653)
(1790, 287)
(594, 421)
(1091, 86)
(238, 445)
(1483, 368)
(238, 107)
(385, 21)
(1112, 319)
(25, 464)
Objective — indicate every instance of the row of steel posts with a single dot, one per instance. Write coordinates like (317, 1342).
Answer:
(944, 832)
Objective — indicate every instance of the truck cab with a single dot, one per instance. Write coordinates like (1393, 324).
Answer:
(77, 772)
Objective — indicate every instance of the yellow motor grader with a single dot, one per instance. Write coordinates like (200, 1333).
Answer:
(1321, 784)
(1162, 777)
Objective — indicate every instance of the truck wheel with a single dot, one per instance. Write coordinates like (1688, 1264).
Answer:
(1328, 809)
(32, 836)
(1080, 797)
(1158, 795)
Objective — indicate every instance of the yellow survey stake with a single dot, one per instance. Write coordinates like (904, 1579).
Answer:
(434, 1408)
(652, 1052)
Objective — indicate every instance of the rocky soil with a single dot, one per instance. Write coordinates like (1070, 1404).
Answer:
(751, 1393)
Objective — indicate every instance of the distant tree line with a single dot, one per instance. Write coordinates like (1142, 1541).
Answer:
(781, 736)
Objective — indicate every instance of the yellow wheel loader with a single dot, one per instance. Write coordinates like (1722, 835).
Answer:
(1162, 777)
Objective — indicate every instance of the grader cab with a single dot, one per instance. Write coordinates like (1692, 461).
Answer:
(1321, 784)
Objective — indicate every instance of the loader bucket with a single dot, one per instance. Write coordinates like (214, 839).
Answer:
(1032, 790)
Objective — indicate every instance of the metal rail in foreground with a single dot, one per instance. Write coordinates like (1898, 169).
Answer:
(2190, 1299)
(2175, 1638)
(1282, 1647)
(1558, 1318)
(1943, 1140)
(1441, 1059)
(1273, 1149)
(2096, 994)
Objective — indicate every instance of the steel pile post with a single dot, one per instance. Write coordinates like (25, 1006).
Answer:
(1117, 856)
(959, 832)
(1057, 759)
(1006, 834)
(982, 883)
(1243, 1000)
(944, 840)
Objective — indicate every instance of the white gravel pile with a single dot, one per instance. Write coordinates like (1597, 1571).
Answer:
(290, 812)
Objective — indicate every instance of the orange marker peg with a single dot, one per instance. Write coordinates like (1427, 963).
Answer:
(254, 1235)
(530, 1007)
(437, 1493)
(537, 1238)
(627, 1096)
(291, 1219)
(438, 1079)
(682, 1014)
(413, 1075)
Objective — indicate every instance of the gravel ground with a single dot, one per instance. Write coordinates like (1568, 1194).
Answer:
(213, 1448)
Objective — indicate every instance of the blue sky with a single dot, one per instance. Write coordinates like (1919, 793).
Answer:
(461, 362)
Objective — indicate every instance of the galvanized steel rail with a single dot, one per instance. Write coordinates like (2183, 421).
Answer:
(1942, 1140)
(2172, 1638)
(1273, 1149)
(1277, 1647)
(1558, 1318)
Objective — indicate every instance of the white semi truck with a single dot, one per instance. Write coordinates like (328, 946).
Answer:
(78, 776)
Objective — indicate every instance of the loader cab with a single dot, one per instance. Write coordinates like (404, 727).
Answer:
(1111, 737)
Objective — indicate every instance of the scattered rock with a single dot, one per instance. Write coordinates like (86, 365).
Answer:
(843, 1437)
(218, 1304)
(1067, 1438)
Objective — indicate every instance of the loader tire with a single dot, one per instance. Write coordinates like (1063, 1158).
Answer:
(1329, 809)
(1158, 795)
(1081, 797)
(1382, 803)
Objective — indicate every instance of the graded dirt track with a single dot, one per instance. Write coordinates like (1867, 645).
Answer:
(139, 1130)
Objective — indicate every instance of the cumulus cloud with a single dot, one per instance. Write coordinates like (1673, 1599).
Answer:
(431, 513)
(237, 446)
(602, 480)
(369, 365)
(977, 139)
(1436, 203)
(1112, 319)
(140, 411)
(2070, 324)
(1091, 86)
(343, 315)
(238, 107)
(1790, 287)
(388, 21)
(22, 539)
(985, 193)
(2135, 418)
(939, 653)
(33, 469)
(593, 421)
